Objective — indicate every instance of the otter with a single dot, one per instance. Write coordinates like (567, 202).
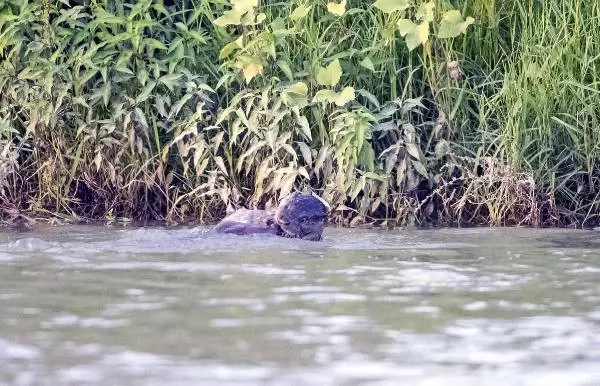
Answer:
(298, 216)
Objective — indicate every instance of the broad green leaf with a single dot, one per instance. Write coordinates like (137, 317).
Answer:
(305, 127)
(414, 35)
(302, 171)
(155, 43)
(325, 96)
(81, 101)
(221, 165)
(142, 76)
(370, 97)
(374, 176)
(453, 24)
(170, 80)
(300, 12)
(299, 88)
(250, 65)
(367, 63)
(345, 96)
(141, 117)
(330, 75)
(413, 150)
(337, 9)
(248, 17)
(366, 158)
(145, 92)
(420, 168)
(389, 6)
(159, 104)
(323, 153)
(230, 17)
(296, 95)
(230, 47)
(106, 93)
(425, 12)
(359, 185)
(244, 5)
(177, 106)
(284, 65)
(260, 17)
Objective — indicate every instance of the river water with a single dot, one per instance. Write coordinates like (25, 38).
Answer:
(87, 305)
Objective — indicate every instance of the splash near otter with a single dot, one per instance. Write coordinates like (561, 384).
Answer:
(297, 216)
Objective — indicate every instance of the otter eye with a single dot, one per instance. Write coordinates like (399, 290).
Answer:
(303, 220)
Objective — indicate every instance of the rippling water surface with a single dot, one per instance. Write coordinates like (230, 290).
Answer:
(155, 306)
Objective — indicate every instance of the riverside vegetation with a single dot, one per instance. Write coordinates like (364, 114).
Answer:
(397, 112)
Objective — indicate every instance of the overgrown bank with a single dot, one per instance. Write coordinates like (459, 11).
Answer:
(392, 112)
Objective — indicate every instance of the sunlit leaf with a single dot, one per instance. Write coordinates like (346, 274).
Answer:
(98, 160)
(230, 47)
(248, 17)
(337, 9)
(453, 24)
(299, 88)
(345, 96)
(300, 12)
(260, 17)
(296, 95)
(277, 25)
(106, 93)
(306, 153)
(221, 165)
(413, 150)
(414, 34)
(232, 17)
(287, 147)
(251, 66)
(302, 171)
(330, 75)
(425, 12)
(244, 5)
(389, 6)
(325, 96)
(359, 185)
(305, 127)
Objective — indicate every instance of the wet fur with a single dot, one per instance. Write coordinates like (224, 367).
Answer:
(298, 216)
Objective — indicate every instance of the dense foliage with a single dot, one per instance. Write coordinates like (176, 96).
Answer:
(446, 112)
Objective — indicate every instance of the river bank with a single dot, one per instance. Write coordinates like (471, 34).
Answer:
(395, 114)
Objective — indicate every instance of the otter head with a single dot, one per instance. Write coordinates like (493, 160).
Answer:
(302, 216)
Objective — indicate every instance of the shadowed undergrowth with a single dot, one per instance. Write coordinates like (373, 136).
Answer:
(448, 113)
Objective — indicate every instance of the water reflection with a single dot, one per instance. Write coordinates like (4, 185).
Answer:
(93, 305)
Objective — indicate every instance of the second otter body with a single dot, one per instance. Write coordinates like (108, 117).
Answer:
(247, 221)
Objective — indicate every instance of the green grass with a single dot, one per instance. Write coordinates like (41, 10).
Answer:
(110, 110)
